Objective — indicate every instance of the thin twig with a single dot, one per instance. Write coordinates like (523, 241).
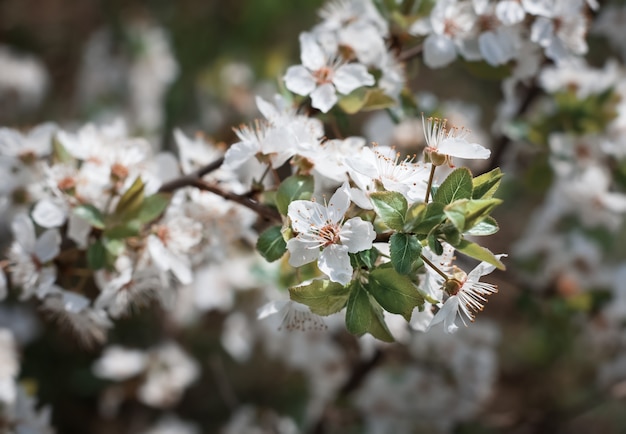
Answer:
(187, 180)
(430, 183)
(410, 53)
(434, 267)
(262, 210)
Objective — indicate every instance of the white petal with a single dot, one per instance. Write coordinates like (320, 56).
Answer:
(510, 12)
(78, 230)
(48, 214)
(447, 315)
(267, 110)
(494, 49)
(352, 76)
(239, 153)
(335, 263)
(324, 97)
(339, 203)
(482, 269)
(542, 31)
(360, 198)
(299, 80)
(311, 54)
(463, 149)
(301, 253)
(48, 245)
(439, 51)
(304, 214)
(24, 232)
(271, 308)
(357, 235)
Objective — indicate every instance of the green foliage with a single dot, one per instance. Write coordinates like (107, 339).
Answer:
(364, 99)
(296, 187)
(485, 185)
(91, 214)
(394, 292)
(405, 250)
(476, 251)
(322, 296)
(271, 244)
(465, 214)
(96, 255)
(391, 207)
(364, 314)
(421, 219)
(458, 185)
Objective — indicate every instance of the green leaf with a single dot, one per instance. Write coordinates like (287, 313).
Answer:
(271, 244)
(91, 214)
(475, 251)
(391, 207)
(123, 230)
(364, 258)
(130, 202)
(152, 207)
(487, 226)
(354, 101)
(322, 296)
(426, 219)
(435, 245)
(296, 187)
(465, 214)
(59, 153)
(405, 251)
(458, 185)
(486, 184)
(115, 247)
(377, 99)
(96, 255)
(364, 314)
(394, 292)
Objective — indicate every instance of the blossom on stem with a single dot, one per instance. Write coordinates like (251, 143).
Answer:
(323, 235)
(442, 143)
(322, 76)
(466, 296)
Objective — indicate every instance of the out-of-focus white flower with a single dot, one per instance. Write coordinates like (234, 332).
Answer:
(322, 75)
(21, 76)
(30, 255)
(170, 371)
(449, 22)
(170, 424)
(119, 364)
(170, 244)
(27, 146)
(322, 235)
(24, 417)
(9, 367)
(250, 420)
(293, 315)
(73, 311)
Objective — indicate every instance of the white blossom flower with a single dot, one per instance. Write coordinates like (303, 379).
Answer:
(119, 363)
(450, 143)
(9, 367)
(322, 75)
(322, 227)
(466, 296)
(382, 165)
(293, 315)
(30, 256)
(170, 371)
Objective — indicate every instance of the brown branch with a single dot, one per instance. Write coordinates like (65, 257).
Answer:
(410, 53)
(264, 211)
(189, 179)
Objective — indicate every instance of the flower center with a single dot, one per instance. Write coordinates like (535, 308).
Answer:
(324, 75)
(329, 234)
